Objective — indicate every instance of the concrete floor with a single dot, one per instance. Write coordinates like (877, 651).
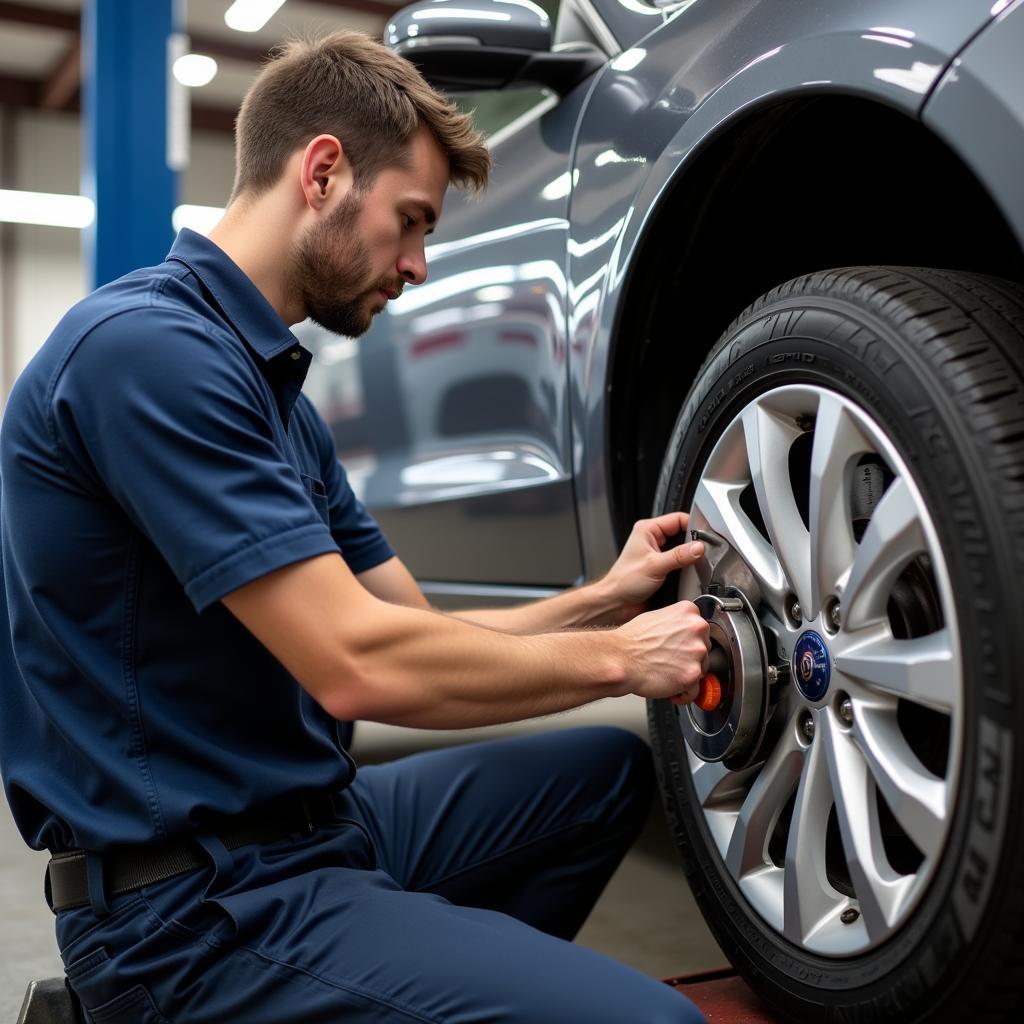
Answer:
(646, 916)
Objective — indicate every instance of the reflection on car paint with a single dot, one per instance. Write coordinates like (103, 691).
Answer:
(471, 362)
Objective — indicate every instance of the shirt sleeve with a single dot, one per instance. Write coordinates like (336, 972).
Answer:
(172, 418)
(362, 542)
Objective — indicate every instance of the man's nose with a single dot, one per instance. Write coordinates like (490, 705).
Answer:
(413, 268)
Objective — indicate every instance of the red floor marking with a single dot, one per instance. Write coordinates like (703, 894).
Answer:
(724, 997)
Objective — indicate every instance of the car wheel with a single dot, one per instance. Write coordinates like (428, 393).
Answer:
(852, 452)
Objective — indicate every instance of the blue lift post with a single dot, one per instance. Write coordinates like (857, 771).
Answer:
(126, 47)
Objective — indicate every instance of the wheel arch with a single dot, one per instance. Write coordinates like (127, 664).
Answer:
(785, 189)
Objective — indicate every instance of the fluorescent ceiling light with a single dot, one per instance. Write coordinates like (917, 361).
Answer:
(45, 208)
(250, 15)
(194, 70)
(198, 218)
(79, 211)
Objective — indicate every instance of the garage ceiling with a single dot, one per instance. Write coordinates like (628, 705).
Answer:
(40, 66)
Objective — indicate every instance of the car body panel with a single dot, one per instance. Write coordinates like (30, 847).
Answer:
(651, 113)
(464, 453)
(629, 20)
(978, 110)
(946, 26)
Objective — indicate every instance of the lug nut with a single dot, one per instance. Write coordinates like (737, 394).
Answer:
(846, 711)
(795, 613)
(849, 915)
(831, 615)
(773, 675)
(807, 727)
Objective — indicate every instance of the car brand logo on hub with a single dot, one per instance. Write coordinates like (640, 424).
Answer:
(807, 666)
(811, 665)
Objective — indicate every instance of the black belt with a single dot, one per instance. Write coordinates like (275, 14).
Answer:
(126, 868)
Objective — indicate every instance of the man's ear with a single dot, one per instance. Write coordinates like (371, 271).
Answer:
(325, 173)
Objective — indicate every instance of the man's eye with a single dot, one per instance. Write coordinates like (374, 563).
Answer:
(408, 221)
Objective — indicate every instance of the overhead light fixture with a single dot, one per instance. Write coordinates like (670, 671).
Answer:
(60, 211)
(46, 208)
(198, 218)
(195, 70)
(250, 15)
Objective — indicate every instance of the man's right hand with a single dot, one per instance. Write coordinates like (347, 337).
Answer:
(668, 651)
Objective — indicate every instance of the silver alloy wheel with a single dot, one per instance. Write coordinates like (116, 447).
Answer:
(849, 749)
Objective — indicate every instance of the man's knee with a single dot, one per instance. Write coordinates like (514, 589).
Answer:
(625, 772)
(579, 986)
(685, 1013)
(641, 1000)
(613, 745)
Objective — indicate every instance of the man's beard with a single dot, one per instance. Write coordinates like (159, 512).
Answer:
(332, 272)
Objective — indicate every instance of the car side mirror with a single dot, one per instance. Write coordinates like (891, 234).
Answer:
(462, 45)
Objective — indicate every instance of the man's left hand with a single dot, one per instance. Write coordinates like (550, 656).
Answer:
(642, 566)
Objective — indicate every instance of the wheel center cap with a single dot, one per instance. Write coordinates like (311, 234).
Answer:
(811, 665)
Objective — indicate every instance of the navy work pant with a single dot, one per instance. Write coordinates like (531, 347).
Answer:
(444, 893)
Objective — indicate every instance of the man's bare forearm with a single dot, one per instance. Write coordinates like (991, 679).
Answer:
(575, 608)
(360, 656)
(433, 671)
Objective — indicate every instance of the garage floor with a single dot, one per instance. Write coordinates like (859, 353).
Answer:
(645, 918)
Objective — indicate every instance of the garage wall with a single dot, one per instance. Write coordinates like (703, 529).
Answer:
(207, 179)
(42, 272)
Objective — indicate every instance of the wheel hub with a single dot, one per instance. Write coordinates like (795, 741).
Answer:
(811, 665)
(732, 730)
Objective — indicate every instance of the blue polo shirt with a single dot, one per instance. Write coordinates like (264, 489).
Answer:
(155, 455)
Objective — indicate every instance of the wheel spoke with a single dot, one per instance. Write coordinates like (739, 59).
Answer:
(893, 538)
(718, 502)
(880, 890)
(916, 797)
(925, 670)
(837, 441)
(748, 846)
(809, 898)
(708, 777)
(768, 439)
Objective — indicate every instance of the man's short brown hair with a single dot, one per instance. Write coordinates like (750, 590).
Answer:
(351, 86)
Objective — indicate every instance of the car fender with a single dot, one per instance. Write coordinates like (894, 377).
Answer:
(977, 109)
(649, 117)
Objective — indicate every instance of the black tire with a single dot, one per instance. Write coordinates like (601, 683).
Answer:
(937, 359)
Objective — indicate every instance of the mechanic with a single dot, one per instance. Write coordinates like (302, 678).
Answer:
(196, 602)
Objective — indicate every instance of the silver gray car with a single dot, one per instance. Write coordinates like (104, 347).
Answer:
(761, 261)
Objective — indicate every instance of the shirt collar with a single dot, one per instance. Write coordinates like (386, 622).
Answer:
(239, 299)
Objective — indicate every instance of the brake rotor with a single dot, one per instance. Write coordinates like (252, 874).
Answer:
(729, 720)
